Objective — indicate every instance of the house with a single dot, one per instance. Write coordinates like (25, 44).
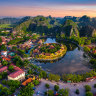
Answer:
(94, 52)
(17, 75)
(90, 79)
(35, 51)
(27, 81)
(6, 59)
(47, 54)
(40, 41)
(51, 47)
(4, 53)
(3, 69)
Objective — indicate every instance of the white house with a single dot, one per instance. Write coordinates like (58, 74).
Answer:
(4, 53)
(17, 75)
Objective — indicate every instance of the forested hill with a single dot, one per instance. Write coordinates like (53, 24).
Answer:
(68, 26)
(39, 24)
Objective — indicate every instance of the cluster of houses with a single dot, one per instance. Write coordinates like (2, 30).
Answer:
(5, 40)
(7, 55)
(93, 47)
(18, 73)
(48, 55)
(26, 44)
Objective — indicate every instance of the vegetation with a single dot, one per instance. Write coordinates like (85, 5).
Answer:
(47, 86)
(87, 88)
(56, 87)
(46, 48)
(89, 94)
(77, 91)
(50, 51)
(27, 90)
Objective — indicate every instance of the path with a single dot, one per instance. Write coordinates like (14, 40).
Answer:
(70, 86)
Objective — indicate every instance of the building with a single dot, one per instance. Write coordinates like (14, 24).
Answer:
(90, 79)
(3, 69)
(27, 81)
(40, 41)
(6, 59)
(17, 75)
(4, 53)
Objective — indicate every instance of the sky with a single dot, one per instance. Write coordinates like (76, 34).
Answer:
(55, 8)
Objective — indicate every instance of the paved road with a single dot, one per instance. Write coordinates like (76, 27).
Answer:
(71, 87)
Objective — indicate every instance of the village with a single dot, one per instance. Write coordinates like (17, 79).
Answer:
(14, 68)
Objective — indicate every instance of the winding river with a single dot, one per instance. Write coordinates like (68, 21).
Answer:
(72, 62)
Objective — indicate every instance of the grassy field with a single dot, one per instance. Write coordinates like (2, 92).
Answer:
(5, 26)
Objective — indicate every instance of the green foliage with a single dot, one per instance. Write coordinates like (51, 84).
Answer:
(87, 88)
(93, 63)
(86, 49)
(17, 60)
(36, 82)
(27, 90)
(64, 92)
(50, 93)
(56, 87)
(47, 85)
(94, 85)
(43, 74)
(11, 68)
(5, 26)
(5, 63)
(89, 94)
(77, 91)
(46, 49)
(3, 47)
(54, 77)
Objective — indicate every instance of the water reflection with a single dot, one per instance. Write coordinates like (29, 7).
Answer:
(72, 62)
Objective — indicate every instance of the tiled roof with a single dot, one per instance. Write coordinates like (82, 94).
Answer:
(3, 68)
(27, 81)
(7, 59)
(16, 74)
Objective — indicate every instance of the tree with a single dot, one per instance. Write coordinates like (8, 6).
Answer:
(47, 85)
(89, 94)
(27, 91)
(94, 85)
(56, 87)
(26, 62)
(86, 49)
(87, 88)
(63, 92)
(77, 91)
(50, 93)
(36, 82)
(11, 68)
(5, 63)
(3, 47)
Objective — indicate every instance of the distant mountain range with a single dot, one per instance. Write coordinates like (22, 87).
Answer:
(69, 26)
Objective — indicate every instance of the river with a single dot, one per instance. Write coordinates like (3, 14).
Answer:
(72, 62)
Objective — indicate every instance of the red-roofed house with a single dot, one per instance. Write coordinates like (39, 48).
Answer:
(6, 59)
(17, 75)
(3, 69)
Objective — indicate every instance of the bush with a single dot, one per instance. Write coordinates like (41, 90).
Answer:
(77, 91)
(86, 49)
(56, 87)
(89, 94)
(87, 88)
(36, 82)
(94, 85)
(47, 85)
